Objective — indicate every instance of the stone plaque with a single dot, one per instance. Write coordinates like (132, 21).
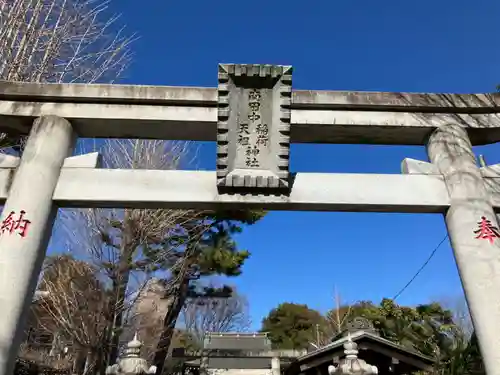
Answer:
(253, 126)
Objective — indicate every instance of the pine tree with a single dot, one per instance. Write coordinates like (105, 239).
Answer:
(201, 247)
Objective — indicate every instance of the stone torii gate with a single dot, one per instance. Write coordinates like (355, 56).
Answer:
(253, 115)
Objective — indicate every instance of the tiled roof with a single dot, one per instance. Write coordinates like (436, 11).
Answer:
(237, 341)
(355, 336)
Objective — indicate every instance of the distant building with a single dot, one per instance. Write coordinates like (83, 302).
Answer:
(236, 354)
(231, 353)
(388, 357)
(251, 354)
(40, 326)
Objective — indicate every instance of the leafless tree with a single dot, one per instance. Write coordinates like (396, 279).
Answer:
(127, 246)
(340, 315)
(200, 316)
(60, 41)
(74, 309)
(63, 41)
(461, 315)
(43, 358)
(336, 321)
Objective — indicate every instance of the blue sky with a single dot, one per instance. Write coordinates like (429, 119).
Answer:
(385, 45)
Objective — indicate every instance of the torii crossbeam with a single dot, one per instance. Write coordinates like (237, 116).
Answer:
(253, 115)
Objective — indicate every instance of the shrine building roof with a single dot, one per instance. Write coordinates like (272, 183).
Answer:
(368, 343)
(237, 341)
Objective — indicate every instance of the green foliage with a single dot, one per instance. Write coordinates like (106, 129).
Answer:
(220, 256)
(459, 356)
(205, 238)
(206, 292)
(292, 326)
(247, 217)
(426, 328)
(206, 246)
(199, 247)
(186, 246)
(217, 252)
(430, 330)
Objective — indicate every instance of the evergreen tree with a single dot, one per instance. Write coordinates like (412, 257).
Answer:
(427, 328)
(292, 326)
(202, 247)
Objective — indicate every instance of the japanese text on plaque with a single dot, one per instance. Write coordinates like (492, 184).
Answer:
(260, 139)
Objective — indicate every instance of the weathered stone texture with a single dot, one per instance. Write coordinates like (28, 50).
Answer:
(253, 128)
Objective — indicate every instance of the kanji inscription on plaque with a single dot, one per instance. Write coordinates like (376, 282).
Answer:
(253, 126)
(486, 230)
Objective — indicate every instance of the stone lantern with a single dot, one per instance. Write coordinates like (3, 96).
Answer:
(351, 364)
(130, 362)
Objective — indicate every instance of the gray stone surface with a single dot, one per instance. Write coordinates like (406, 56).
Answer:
(190, 113)
(275, 366)
(476, 247)
(253, 126)
(237, 351)
(413, 166)
(27, 219)
(237, 341)
(253, 96)
(90, 160)
(360, 323)
(356, 100)
(239, 363)
(130, 362)
(105, 188)
(351, 364)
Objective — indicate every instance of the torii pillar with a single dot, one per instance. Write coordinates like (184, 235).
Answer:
(477, 253)
(26, 226)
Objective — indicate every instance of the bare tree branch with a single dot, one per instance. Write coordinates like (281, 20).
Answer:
(70, 41)
(128, 246)
(61, 41)
(336, 319)
(74, 307)
(461, 315)
(216, 315)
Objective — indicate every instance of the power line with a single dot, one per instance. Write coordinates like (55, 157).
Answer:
(421, 268)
